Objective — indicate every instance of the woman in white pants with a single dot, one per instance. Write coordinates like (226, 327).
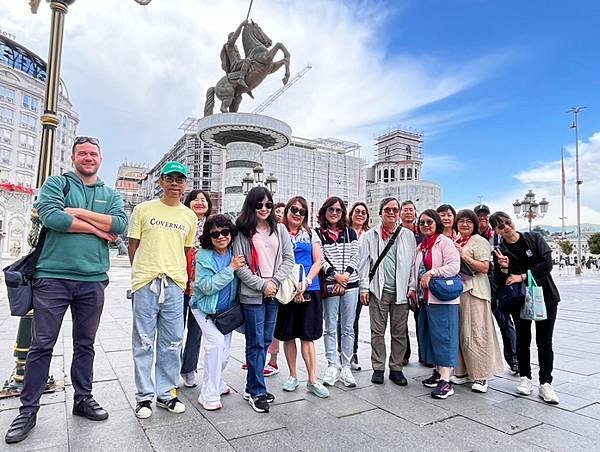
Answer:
(214, 292)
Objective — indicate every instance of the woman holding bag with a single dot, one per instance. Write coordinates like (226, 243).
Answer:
(518, 253)
(215, 289)
(267, 248)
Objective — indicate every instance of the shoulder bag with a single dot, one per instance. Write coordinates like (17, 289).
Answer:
(228, 320)
(290, 285)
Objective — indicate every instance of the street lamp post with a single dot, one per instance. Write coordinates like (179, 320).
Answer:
(49, 121)
(575, 125)
(249, 181)
(529, 208)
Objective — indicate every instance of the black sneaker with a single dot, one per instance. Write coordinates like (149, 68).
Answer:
(397, 376)
(20, 427)
(443, 390)
(514, 368)
(432, 381)
(90, 409)
(270, 397)
(259, 404)
(173, 405)
(377, 377)
(143, 409)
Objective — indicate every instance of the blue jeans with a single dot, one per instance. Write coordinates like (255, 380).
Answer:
(157, 323)
(259, 323)
(191, 349)
(345, 308)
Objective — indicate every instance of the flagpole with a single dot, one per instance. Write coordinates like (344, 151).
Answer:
(562, 198)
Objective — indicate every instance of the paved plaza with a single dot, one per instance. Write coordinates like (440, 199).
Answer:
(368, 417)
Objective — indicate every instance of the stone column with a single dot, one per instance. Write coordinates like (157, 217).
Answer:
(240, 159)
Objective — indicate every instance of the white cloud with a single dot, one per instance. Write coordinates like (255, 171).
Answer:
(135, 73)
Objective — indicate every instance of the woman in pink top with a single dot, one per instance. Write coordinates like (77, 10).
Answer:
(438, 320)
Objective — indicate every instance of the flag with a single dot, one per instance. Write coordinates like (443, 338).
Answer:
(564, 177)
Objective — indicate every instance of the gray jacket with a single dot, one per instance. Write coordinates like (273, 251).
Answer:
(251, 285)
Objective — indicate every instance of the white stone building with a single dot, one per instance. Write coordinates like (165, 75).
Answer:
(22, 85)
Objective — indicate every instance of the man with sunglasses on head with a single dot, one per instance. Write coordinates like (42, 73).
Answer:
(161, 232)
(81, 215)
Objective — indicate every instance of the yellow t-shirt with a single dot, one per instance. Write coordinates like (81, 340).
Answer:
(163, 232)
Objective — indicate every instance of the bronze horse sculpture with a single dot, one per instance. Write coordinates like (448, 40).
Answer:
(256, 48)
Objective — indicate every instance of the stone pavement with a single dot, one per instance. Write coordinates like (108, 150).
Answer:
(367, 417)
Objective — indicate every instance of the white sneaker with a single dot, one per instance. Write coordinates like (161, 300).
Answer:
(143, 409)
(525, 386)
(189, 379)
(480, 386)
(173, 405)
(332, 374)
(459, 379)
(347, 378)
(209, 406)
(547, 394)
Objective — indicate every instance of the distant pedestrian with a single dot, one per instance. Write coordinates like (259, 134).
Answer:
(161, 233)
(81, 216)
(519, 252)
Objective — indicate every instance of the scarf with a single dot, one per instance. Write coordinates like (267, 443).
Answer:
(333, 234)
(488, 233)
(386, 233)
(462, 241)
(426, 246)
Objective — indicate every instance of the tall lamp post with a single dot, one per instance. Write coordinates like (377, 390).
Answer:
(575, 125)
(49, 121)
(250, 181)
(529, 209)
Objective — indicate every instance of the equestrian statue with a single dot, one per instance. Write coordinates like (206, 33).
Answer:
(242, 75)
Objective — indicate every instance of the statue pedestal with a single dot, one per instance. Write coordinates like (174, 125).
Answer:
(244, 136)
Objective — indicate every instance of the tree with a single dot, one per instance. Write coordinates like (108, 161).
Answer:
(566, 247)
(594, 243)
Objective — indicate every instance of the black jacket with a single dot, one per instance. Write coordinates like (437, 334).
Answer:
(539, 262)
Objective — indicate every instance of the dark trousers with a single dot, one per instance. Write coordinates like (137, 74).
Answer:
(359, 307)
(51, 298)
(544, 331)
(509, 335)
(408, 350)
(191, 350)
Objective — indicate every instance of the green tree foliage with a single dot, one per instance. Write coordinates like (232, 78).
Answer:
(566, 247)
(594, 243)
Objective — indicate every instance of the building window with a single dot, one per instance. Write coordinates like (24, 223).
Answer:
(416, 178)
(6, 115)
(7, 94)
(25, 161)
(4, 173)
(30, 102)
(392, 175)
(408, 152)
(28, 122)
(5, 135)
(379, 176)
(5, 156)
(386, 177)
(24, 179)
(409, 173)
(26, 141)
(401, 173)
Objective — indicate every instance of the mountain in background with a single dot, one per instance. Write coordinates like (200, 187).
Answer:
(585, 227)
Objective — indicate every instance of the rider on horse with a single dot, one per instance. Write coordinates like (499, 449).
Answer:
(232, 63)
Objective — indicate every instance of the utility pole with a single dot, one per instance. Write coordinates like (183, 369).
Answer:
(578, 182)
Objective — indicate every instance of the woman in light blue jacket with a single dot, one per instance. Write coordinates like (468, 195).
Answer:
(215, 291)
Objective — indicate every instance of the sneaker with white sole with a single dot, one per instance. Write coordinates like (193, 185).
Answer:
(189, 379)
(459, 379)
(443, 390)
(480, 386)
(354, 363)
(525, 386)
(347, 378)
(291, 384)
(547, 394)
(143, 409)
(270, 397)
(173, 405)
(209, 406)
(318, 389)
(332, 374)
(270, 370)
(259, 404)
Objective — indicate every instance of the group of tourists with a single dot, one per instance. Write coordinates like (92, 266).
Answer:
(199, 276)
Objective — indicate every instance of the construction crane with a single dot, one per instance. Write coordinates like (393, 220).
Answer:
(269, 100)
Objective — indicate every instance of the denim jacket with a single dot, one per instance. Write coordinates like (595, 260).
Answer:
(208, 283)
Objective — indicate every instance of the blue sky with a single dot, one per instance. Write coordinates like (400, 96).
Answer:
(488, 82)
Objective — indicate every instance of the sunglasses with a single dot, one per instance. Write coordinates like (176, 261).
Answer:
(391, 210)
(296, 211)
(501, 226)
(170, 179)
(219, 232)
(266, 205)
(426, 222)
(334, 210)
(81, 140)
(360, 212)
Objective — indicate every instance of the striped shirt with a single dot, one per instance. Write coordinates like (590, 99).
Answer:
(342, 255)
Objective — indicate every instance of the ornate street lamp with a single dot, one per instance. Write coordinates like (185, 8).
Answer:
(529, 208)
(271, 183)
(247, 183)
(258, 174)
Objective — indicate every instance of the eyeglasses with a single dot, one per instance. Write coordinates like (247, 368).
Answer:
(426, 222)
(296, 211)
(170, 179)
(219, 232)
(334, 210)
(501, 226)
(267, 205)
(391, 210)
(360, 212)
(464, 221)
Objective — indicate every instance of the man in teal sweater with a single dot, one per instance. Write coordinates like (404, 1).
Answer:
(81, 215)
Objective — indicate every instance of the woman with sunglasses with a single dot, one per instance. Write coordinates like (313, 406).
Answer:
(199, 202)
(516, 254)
(215, 290)
(438, 320)
(269, 256)
(340, 266)
(302, 318)
(479, 357)
(448, 215)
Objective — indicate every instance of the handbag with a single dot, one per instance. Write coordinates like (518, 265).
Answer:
(289, 286)
(511, 298)
(446, 288)
(328, 287)
(465, 271)
(534, 307)
(228, 320)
